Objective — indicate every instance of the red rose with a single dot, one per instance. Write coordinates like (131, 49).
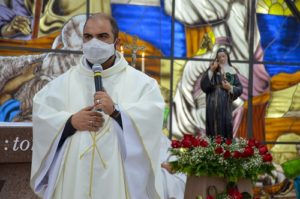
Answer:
(248, 152)
(203, 143)
(209, 197)
(257, 143)
(251, 142)
(218, 139)
(227, 154)
(236, 154)
(232, 190)
(263, 150)
(237, 195)
(267, 157)
(186, 143)
(187, 140)
(234, 193)
(176, 144)
(195, 142)
(219, 150)
(188, 137)
(228, 141)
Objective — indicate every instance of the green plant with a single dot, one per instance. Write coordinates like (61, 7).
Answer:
(235, 159)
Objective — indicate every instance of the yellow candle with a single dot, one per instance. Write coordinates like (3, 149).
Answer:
(143, 62)
(122, 50)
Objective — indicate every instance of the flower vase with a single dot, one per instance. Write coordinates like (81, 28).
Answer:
(198, 186)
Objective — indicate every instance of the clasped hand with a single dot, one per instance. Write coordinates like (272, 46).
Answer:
(214, 66)
(226, 85)
(88, 119)
(18, 24)
(103, 102)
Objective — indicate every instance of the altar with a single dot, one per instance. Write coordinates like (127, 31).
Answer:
(15, 161)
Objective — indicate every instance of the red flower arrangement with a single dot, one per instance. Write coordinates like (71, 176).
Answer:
(231, 192)
(235, 159)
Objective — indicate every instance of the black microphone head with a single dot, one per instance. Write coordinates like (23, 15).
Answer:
(97, 68)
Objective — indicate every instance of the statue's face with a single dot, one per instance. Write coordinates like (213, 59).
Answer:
(222, 58)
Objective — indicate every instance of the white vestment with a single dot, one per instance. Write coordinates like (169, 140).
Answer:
(111, 163)
(174, 184)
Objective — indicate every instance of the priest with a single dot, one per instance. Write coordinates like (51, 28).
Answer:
(103, 144)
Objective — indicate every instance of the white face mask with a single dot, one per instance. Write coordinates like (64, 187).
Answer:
(97, 52)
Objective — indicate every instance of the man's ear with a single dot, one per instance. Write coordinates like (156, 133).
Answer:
(117, 43)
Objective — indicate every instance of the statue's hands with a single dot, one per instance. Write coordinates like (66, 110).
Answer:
(19, 24)
(226, 85)
(87, 119)
(213, 66)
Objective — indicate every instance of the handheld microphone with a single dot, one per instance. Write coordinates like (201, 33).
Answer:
(97, 68)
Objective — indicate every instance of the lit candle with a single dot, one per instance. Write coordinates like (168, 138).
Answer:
(122, 50)
(143, 62)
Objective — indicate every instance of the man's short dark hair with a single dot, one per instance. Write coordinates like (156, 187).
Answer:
(113, 23)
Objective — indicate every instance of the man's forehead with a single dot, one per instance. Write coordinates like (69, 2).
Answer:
(98, 24)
